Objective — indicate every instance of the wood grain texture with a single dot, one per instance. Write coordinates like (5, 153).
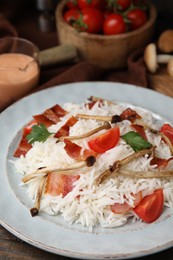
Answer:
(162, 82)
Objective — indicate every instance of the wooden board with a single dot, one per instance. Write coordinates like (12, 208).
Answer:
(162, 82)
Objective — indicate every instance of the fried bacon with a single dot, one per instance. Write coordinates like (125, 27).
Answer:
(60, 184)
(160, 162)
(23, 147)
(75, 151)
(51, 115)
(68, 170)
(48, 117)
(64, 130)
(140, 130)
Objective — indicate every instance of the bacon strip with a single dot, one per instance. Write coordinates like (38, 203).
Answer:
(64, 130)
(129, 114)
(160, 162)
(140, 130)
(60, 184)
(74, 151)
(93, 102)
(23, 147)
(48, 117)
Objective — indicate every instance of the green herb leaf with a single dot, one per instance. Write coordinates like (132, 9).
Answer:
(39, 133)
(136, 141)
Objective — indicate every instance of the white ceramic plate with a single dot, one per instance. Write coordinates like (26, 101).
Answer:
(51, 233)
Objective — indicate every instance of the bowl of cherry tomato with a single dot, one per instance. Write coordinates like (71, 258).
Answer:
(105, 32)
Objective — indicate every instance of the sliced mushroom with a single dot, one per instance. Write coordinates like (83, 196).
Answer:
(145, 174)
(113, 169)
(68, 170)
(106, 125)
(34, 211)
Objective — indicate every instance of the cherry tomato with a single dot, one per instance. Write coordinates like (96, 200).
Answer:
(90, 3)
(72, 4)
(105, 141)
(114, 24)
(123, 4)
(137, 18)
(167, 130)
(71, 15)
(151, 206)
(90, 21)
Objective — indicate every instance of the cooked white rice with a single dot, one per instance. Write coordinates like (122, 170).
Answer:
(92, 207)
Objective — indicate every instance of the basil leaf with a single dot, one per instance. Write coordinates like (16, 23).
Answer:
(136, 141)
(39, 133)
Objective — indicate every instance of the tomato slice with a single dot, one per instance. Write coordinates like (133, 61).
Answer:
(105, 141)
(151, 206)
(167, 130)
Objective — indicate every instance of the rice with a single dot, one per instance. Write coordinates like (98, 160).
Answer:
(88, 204)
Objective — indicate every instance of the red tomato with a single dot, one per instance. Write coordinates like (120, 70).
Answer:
(151, 206)
(71, 15)
(123, 4)
(105, 141)
(118, 208)
(167, 130)
(114, 24)
(72, 3)
(137, 18)
(90, 3)
(90, 21)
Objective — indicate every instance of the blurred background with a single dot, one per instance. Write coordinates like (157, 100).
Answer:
(39, 15)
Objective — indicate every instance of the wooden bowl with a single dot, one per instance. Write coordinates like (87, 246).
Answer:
(106, 51)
